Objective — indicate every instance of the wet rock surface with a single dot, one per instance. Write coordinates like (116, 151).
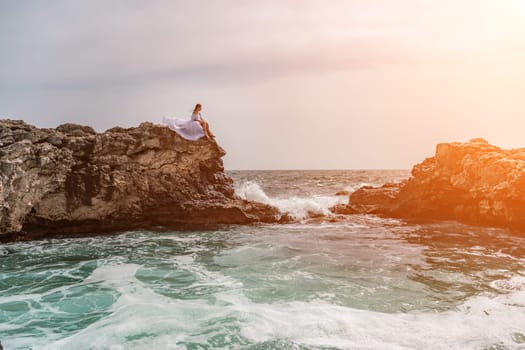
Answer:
(72, 180)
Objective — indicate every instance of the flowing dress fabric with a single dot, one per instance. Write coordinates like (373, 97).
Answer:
(188, 129)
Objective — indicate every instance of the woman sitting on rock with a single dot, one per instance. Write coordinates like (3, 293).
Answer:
(196, 115)
(192, 129)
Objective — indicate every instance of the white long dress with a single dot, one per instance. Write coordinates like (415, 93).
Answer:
(189, 129)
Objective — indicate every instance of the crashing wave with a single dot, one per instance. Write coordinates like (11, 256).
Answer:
(298, 208)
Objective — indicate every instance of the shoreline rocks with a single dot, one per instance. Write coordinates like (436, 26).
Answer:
(473, 182)
(72, 180)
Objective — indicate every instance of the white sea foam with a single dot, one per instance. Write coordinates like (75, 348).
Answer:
(114, 273)
(352, 188)
(164, 322)
(142, 318)
(298, 207)
(516, 283)
(480, 322)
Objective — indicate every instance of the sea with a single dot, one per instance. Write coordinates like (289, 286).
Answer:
(322, 282)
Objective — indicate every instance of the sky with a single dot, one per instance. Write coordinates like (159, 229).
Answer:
(284, 84)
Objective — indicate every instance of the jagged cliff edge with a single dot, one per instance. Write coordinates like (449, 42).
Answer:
(72, 180)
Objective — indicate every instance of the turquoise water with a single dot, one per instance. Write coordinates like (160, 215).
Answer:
(357, 282)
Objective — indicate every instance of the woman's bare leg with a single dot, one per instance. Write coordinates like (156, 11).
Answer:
(204, 126)
(208, 129)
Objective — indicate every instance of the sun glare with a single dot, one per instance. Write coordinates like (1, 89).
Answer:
(520, 5)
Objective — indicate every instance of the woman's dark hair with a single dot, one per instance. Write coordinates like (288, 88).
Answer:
(197, 106)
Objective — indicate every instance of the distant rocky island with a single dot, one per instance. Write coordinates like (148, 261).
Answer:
(474, 182)
(72, 180)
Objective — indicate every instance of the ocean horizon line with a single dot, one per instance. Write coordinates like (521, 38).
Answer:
(324, 169)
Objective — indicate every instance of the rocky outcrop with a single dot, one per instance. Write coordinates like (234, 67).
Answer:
(370, 200)
(474, 182)
(72, 180)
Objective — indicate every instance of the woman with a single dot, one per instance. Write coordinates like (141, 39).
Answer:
(192, 129)
(196, 116)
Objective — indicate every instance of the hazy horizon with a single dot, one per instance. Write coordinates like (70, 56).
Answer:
(318, 169)
(284, 84)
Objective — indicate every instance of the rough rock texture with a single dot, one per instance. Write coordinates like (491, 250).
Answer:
(370, 200)
(473, 182)
(73, 180)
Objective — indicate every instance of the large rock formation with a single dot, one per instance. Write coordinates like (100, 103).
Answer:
(73, 180)
(472, 182)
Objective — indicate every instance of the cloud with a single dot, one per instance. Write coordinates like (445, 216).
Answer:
(93, 45)
(221, 73)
